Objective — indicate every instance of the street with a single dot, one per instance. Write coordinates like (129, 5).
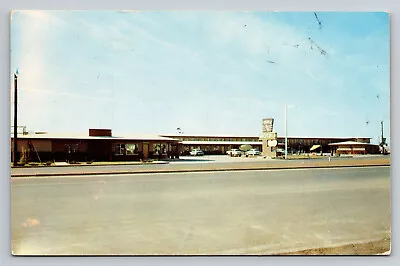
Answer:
(201, 163)
(232, 212)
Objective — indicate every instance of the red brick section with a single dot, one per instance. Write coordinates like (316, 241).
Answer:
(100, 132)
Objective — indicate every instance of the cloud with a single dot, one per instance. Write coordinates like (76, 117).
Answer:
(119, 34)
(151, 37)
(254, 35)
(68, 94)
(41, 16)
(311, 75)
(254, 67)
(36, 15)
(29, 59)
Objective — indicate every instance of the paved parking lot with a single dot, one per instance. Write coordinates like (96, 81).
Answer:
(218, 159)
(204, 163)
(244, 159)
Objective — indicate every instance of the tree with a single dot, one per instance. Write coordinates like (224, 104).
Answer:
(245, 147)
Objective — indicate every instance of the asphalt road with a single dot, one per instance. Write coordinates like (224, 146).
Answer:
(201, 164)
(246, 212)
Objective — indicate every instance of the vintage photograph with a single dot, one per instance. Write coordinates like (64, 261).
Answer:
(200, 133)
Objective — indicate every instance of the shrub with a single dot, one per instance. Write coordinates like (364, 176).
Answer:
(245, 147)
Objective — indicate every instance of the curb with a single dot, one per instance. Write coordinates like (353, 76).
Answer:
(84, 164)
(195, 170)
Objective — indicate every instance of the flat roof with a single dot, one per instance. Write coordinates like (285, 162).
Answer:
(350, 143)
(221, 142)
(207, 136)
(86, 137)
(232, 136)
(324, 137)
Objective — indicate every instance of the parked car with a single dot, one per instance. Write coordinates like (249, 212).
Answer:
(253, 152)
(197, 152)
(280, 152)
(235, 153)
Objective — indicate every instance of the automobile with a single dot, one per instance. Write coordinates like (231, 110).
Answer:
(280, 152)
(235, 153)
(197, 152)
(253, 152)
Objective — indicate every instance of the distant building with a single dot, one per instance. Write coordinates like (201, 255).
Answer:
(21, 130)
(212, 144)
(353, 147)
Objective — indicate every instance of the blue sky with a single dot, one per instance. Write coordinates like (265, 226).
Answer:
(142, 72)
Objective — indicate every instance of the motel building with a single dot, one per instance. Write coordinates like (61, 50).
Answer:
(216, 145)
(101, 145)
(353, 147)
(98, 145)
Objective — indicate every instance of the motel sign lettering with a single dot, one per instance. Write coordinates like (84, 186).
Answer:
(269, 135)
(267, 125)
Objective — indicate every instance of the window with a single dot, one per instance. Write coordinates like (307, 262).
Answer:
(163, 148)
(72, 148)
(119, 149)
(156, 149)
(159, 149)
(131, 149)
(125, 149)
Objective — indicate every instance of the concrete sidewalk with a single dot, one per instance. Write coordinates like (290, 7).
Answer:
(65, 164)
(195, 167)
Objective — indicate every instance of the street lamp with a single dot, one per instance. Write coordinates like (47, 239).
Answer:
(15, 118)
(286, 137)
(286, 142)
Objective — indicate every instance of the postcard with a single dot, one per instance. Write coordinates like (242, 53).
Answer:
(200, 133)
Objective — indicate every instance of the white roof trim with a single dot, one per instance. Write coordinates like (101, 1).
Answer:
(350, 143)
(80, 137)
(221, 142)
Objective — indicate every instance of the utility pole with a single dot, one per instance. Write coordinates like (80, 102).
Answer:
(286, 146)
(382, 139)
(15, 118)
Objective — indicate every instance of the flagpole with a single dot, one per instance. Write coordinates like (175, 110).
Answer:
(15, 154)
(286, 142)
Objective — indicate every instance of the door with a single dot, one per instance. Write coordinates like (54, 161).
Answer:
(145, 150)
